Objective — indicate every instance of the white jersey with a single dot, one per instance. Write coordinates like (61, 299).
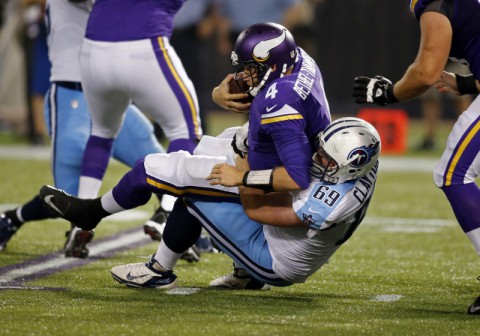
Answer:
(337, 210)
(65, 36)
(334, 211)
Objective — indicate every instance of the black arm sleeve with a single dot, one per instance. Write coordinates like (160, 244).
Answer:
(444, 7)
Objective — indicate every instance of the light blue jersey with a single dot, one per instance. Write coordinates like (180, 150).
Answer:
(66, 113)
(331, 213)
(68, 123)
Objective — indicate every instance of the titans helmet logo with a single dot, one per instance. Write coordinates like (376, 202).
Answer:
(261, 52)
(362, 155)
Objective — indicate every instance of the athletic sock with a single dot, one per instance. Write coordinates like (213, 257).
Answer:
(12, 215)
(33, 210)
(85, 213)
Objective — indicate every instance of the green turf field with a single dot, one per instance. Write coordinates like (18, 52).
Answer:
(408, 270)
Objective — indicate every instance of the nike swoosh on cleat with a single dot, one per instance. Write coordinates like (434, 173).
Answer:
(48, 200)
(133, 277)
(473, 310)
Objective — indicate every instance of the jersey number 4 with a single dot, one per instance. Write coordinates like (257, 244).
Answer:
(272, 91)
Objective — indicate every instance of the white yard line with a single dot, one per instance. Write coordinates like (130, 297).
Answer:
(61, 262)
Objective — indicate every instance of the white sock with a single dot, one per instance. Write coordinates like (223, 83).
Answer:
(167, 202)
(89, 187)
(166, 257)
(109, 204)
(474, 236)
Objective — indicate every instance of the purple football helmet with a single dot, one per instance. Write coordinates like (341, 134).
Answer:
(262, 46)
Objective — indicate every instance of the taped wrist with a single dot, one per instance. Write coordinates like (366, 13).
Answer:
(390, 96)
(260, 179)
(466, 84)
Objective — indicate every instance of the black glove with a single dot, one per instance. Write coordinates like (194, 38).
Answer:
(378, 90)
(240, 141)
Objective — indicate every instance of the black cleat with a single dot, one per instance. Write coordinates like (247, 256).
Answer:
(474, 308)
(7, 230)
(83, 213)
(156, 224)
(76, 243)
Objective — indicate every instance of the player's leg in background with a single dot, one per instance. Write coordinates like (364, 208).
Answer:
(456, 172)
(107, 98)
(68, 124)
(167, 95)
(457, 169)
(135, 141)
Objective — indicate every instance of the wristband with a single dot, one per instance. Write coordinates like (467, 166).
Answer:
(466, 84)
(390, 96)
(260, 179)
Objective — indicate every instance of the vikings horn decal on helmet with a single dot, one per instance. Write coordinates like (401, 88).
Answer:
(261, 52)
(261, 47)
(347, 149)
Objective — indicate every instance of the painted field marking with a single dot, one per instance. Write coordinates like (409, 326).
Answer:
(387, 297)
(183, 291)
(13, 276)
(17, 274)
(409, 225)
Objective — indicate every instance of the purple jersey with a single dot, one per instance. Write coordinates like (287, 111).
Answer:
(464, 17)
(129, 20)
(285, 119)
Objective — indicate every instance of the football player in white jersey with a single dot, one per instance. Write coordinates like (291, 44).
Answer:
(316, 221)
(68, 122)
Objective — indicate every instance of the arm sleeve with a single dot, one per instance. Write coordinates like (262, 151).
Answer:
(441, 6)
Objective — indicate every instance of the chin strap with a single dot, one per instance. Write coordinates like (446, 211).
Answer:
(284, 70)
(254, 91)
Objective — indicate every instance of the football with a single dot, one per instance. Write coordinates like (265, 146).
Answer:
(236, 85)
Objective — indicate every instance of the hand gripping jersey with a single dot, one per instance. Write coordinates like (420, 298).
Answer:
(464, 18)
(285, 117)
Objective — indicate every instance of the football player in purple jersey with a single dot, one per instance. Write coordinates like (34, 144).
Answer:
(289, 105)
(449, 28)
(288, 111)
(126, 58)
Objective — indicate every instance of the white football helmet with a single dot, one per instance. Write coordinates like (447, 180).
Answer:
(347, 149)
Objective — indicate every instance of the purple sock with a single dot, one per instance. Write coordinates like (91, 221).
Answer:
(182, 144)
(465, 202)
(132, 190)
(96, 157)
